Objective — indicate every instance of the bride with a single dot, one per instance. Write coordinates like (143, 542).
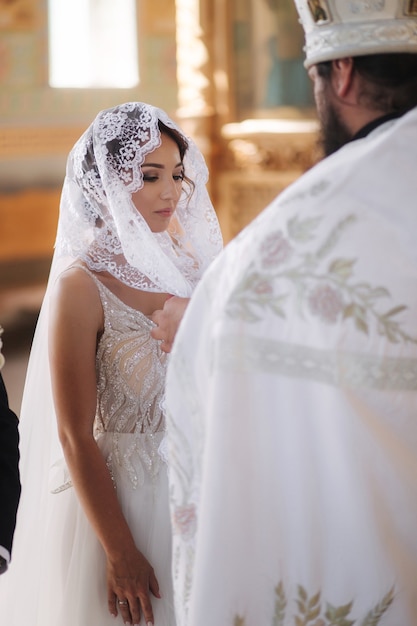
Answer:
(93, 538)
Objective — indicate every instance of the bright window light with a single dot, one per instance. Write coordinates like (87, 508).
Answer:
(93, 43)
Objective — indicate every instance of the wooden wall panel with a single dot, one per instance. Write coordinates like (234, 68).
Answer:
(28, 222)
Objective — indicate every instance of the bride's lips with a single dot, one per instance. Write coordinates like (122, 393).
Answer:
(165, 212)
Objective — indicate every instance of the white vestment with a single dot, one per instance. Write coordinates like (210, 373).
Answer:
(292, 403)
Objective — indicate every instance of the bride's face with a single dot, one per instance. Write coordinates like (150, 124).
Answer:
(163, 173)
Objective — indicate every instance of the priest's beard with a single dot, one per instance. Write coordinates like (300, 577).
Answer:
(333, 132)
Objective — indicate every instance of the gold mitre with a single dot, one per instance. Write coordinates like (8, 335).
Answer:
(339, 28)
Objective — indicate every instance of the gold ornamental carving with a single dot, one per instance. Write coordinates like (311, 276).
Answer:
(272, 145)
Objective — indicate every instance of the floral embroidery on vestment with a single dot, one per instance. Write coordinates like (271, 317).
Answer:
(319, 283)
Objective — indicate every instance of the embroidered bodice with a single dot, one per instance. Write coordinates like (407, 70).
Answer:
(131, 372)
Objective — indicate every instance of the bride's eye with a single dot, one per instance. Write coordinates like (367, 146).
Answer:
(149, 178)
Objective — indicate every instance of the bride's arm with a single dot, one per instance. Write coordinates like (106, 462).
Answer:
(76, 320)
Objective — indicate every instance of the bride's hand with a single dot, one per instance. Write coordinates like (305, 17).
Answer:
(129, 583)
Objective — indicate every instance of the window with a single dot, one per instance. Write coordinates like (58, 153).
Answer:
(93, 43)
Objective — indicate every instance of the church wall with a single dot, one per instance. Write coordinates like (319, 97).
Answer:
(39, 124)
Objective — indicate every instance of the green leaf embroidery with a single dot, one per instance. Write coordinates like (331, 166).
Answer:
(302, 230)
(309, 611)
(280, 605)
(342, 268)
(374, 616)
(394, 311)
(302, 593)
(337, 615)
(334, 236)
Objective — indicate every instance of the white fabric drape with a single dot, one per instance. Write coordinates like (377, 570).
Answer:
(292, 405)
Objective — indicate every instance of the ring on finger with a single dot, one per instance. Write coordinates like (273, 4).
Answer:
(122, 602)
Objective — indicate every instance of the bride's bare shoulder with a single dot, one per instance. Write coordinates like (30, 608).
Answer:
(77, 287)
(76, 274)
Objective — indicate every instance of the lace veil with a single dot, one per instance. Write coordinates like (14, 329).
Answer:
(99, 224)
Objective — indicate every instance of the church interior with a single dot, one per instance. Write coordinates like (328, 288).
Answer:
(230, 72)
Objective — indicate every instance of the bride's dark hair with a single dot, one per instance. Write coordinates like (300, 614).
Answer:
(114, 146)
(182, 144)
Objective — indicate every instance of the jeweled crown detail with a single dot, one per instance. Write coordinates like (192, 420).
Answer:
(338, 28)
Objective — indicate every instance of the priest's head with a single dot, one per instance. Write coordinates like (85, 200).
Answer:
(362, 58)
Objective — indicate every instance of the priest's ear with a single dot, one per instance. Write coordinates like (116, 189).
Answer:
(344, 78)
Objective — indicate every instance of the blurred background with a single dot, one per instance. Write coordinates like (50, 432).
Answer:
(229, 71)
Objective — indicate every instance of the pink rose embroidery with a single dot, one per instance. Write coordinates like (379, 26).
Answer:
(263, 287)
(326, 302)
(275, 250)
(184, 521)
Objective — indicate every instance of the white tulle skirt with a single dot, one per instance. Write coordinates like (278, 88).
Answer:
(72, 589)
